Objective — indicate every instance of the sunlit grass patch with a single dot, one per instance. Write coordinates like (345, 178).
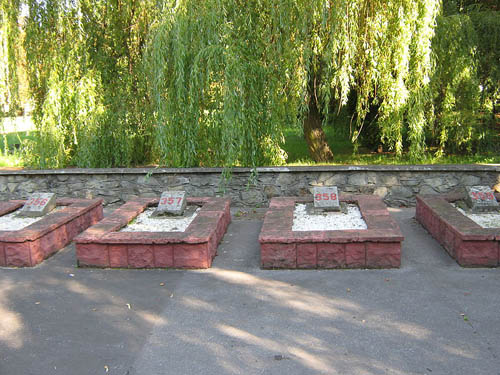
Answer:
(10, 161)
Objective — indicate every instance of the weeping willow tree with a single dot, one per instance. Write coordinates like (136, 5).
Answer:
(9, 55)
(215, 82)
(86, 79)
(227, 76)
(219, 87)
(466, 79)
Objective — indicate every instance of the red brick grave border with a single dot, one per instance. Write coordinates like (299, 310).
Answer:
(104, 246)
(30, 246)
(378, 246)
(467, 242)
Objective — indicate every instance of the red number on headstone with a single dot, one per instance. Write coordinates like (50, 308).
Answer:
(326, 197)
(333, 196)
(170, 200)
(317, 197)
(474, 195)
(36, 202)
(43, 202)
(179, 200)
(163, 201)
(490, 196)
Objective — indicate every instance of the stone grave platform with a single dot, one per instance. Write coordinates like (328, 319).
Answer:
(467, 242)
(30, 246)
(378, 246)
(104, 246)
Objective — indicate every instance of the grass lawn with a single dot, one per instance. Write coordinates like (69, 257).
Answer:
(343, 153)
(10, 148)
(295, 147)
(10, 161)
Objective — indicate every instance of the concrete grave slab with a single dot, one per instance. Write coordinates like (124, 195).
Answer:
(171, 203)
(38, 204)
(464, 240)
(104, 246)
(481, 199)
(30, 246)
(378, 246)
(326, 198)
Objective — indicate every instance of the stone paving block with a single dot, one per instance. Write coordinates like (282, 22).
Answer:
(140, 256)
(383, 254)
(331, 255)
(278, 255)
(355, 255)
(118, 256)
(307, 255)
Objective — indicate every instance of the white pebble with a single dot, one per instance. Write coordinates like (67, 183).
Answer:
(11, 221)
(327, 220)
(485, 220)
(145, 223)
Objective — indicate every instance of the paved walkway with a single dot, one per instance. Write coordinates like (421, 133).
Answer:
(429, 317)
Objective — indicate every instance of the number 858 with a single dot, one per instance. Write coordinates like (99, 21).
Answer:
(325, 197)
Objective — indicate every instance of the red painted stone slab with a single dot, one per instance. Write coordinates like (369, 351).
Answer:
(466, 242)
(30, 246)
(104, 246)
(378, 246)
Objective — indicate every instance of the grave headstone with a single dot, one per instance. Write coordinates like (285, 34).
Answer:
(38, 204)
(326, 198)
(481, 199)
(171, 203)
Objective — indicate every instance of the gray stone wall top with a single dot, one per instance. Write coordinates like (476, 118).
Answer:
(396, 184)
(319, 168)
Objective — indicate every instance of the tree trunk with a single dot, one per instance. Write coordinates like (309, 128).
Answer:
(315, 136)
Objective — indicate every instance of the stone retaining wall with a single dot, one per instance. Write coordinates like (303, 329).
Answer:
(397, 185)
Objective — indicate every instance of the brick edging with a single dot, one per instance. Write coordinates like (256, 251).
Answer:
(464, 240)
(378, 246)
(29, 246)
(102, 246)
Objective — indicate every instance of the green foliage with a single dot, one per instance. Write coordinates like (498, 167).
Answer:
(228, 76)
(9, 55)
(218, 85)
(455, 84)
(487, 27)
(220, 82)
(86, 78)
(466, 81)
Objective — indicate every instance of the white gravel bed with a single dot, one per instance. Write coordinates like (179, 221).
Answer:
(145, 223)
(302, 221)
(485, 220)
(12, 221)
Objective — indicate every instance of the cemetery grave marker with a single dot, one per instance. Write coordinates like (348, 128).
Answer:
(326, 198)
(481, 199)
(171, 203)
(38, 204)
